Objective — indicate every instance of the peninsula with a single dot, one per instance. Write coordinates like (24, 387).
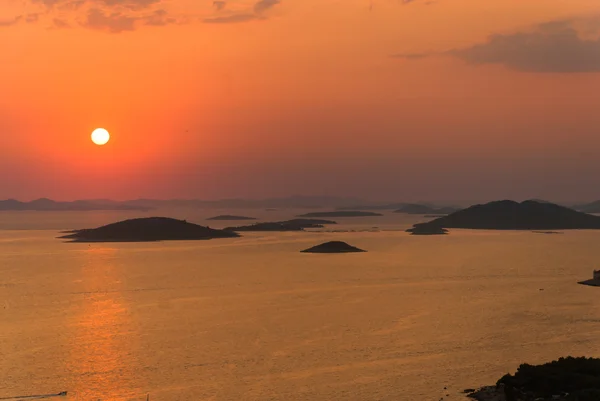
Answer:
(148, 229)
(511, 215)
(341, 213)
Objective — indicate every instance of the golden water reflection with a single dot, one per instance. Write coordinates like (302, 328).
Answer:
(102, 337)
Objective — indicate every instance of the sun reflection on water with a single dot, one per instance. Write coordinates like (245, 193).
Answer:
(102, 336)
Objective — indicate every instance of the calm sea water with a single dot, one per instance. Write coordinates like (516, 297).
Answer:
(254, 319)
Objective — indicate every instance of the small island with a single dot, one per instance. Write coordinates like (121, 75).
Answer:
(333, 247)
(416, 208)
(148, 229)
(288, 225)
(566, 379)
(427, 230)
(511, 215)
(228, 217)
(341, 213)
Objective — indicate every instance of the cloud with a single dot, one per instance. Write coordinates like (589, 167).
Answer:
(553, 47)
(59, 23)
(264, 5)
(113, 22)
(129, 4)
(257, 13)
(116, 16)
(25, 18)
(412, 56)
(231, 19)
(219, 5)
(10, 22)
(159, 18)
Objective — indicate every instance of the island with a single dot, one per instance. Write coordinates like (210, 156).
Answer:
(511, 215)
(147, 229)
(333, 247)
(593, 207)
(228, 217)
(566, 379)
(427, 230)
(49, 205)
(386, 206)
(288, 225)
(416, 208)
(341, 213)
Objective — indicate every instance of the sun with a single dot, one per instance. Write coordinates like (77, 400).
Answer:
(100, 136)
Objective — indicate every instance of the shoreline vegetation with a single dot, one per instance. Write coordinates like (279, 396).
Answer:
(565, 379)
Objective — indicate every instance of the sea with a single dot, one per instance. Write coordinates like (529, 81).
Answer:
(252, 318)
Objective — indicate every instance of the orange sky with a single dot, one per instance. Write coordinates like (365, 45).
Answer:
(387, 99)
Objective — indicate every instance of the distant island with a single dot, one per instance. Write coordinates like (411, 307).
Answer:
(228, 217)
(288, 225)
(566, 379)
(386, 206)
(48, 205)
(333, 247)
(427, 230)
(341, 213)
(511, 215)
(416, 208)
(147, 229)
(593, 207)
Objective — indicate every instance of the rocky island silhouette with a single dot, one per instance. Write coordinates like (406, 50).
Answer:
(147, 229)
(333, 247)
(511, 215)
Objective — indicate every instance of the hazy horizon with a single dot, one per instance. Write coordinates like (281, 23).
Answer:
(328, 200)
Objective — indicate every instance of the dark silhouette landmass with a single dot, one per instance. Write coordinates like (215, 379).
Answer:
(288, 225)
(427, 230)
(45, 204)
(341, 213)
(290, 202)
(148, 229)
(511, 215)
(228, 217)
(333, 247)
(387, 206)
(572, 379)
(416, 208)
(593, 207)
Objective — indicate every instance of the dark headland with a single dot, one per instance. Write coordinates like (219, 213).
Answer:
(511, 215)
(566, 379)
(288, 225)
(333, 247)
(148, 229)
(341, 213)
(416, 208)
(228, 217)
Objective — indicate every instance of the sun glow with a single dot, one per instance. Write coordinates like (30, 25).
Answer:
(100, 136)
